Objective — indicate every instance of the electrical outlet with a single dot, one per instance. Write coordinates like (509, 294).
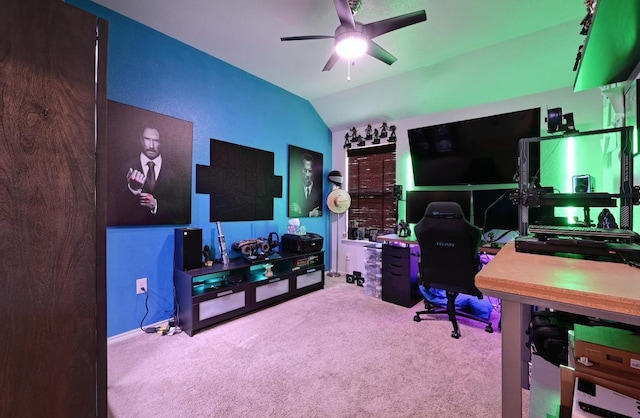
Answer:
(141, 286)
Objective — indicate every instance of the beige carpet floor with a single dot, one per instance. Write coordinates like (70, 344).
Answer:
(332, 353)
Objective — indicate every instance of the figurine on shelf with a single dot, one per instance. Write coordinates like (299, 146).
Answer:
(354, 134)
(368, 136)
(376, 136)
(383, 130)
(206, 253)
(403, 229)
(267, 270)
(392, 137)
(347, 141)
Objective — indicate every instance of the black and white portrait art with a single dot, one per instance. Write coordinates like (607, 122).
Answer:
(149, 167)
(305, 183)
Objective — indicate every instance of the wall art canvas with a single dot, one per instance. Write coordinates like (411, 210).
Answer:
(148, 167)
(305, 183)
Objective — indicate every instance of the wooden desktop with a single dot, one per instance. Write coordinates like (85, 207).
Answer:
(411, 239)
(605, 290)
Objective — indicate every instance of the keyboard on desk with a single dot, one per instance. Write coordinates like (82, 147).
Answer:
(587, 232)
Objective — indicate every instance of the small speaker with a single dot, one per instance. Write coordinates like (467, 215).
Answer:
(583, 183)
(397, 191)
(187, 253)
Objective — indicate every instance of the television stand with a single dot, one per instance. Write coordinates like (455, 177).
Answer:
(210, 295)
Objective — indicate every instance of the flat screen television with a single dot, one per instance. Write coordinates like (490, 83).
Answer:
(417, 202)
(475, 151)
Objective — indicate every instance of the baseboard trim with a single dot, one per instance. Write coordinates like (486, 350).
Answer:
(128, 334)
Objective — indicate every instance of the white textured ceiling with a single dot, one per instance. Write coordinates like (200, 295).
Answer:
(468, 52)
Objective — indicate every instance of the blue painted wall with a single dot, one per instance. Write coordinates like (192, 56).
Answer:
(149, 70)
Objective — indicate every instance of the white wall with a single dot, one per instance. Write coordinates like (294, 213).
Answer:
(587, 108)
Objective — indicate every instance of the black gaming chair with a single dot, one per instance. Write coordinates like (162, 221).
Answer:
(448, 259)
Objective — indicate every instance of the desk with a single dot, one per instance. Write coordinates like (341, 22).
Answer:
(412, 239)
(594, 288)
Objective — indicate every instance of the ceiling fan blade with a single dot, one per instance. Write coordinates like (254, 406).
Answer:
(344, 14)
(332, 61)
(304, 38)
(374, 29)
(376, 51)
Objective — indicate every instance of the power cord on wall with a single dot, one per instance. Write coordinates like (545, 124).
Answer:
(149, 330)
(169, 329)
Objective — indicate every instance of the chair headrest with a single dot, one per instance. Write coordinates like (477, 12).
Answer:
(447, 210)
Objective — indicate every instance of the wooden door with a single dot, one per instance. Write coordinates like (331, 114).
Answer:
(52, 229)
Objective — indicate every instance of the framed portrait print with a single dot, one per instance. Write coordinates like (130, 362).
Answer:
(148, 167)
(305, 183)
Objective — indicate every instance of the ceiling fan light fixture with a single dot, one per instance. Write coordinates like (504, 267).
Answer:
(353, 39)
(351, 46)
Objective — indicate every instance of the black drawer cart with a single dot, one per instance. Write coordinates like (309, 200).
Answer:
(400, 274)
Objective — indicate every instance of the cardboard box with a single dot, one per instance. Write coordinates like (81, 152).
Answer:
(571, 349)
(610, 380)
(615, 354)
(616, 376)
(607, 356)
(567, 379)
(593, 400)
(621, 339)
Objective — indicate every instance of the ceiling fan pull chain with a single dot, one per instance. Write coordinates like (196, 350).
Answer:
(349, 70)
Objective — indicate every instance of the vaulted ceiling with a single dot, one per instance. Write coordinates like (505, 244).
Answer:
(466, 53)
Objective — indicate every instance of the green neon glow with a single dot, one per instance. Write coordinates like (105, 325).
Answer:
(408, 172)
(570, 171)
(571, 161)
(612, 49)
(569, 279)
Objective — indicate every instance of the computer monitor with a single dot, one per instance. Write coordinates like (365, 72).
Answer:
(502, 215)
(500, 211)
(417, 202)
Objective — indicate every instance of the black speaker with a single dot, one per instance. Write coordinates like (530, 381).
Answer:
(187, 254)
(397, 191)
(583, 184)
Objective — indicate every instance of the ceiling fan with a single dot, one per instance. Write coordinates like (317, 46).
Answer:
(354, 38)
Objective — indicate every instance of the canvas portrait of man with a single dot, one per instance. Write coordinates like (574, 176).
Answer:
(148, 167)
(305, 183)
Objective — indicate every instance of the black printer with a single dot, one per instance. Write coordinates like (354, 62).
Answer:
(301, 244)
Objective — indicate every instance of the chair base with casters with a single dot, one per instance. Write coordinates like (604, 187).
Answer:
(450, 310)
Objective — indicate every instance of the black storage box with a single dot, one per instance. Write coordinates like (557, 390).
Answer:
(301, 244)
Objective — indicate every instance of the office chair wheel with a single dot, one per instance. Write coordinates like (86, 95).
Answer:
(417, 318)
(455, 334)
(489, 329)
